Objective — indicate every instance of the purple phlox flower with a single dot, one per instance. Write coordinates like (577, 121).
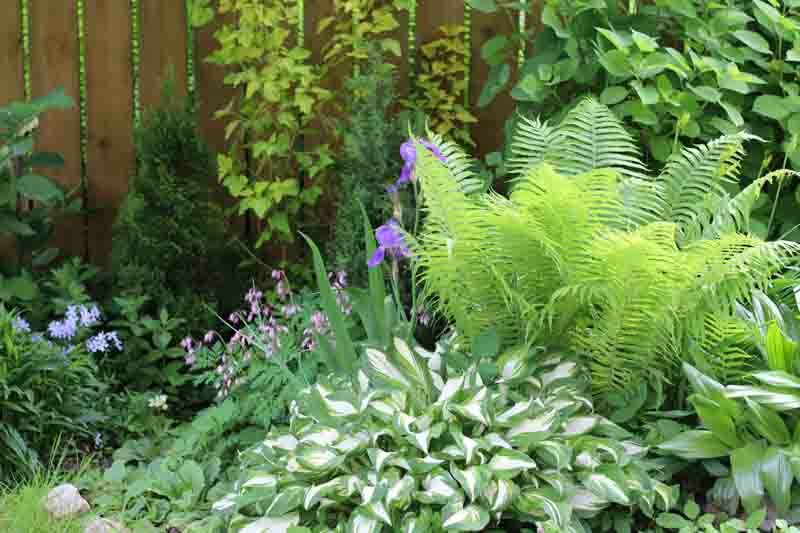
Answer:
(408, 151)
(63, 329)
(278, 274)
(424, 315)
(190, 359)
(209, 337)
(290, 310)
(21, 325)
(66, 350)
(390, 241)
(103, 342)
(89, 316)
(233, 318)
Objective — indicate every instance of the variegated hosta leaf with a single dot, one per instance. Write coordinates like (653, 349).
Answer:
(470, 518)
(361, 523)
(412, 365)
(513, 366)
(318, 458)
(500, 494)
(440, 488)
(507, 464)
(272, 525)
(375, 453)
(400, 492)
(380, 367)
(606, 488)
(538, 502)
(473, 480)
(477, 408)
(533, 430)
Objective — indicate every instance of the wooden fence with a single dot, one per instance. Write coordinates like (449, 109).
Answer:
(95, 137)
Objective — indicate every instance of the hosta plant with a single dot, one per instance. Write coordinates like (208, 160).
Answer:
(750, 434)
(408, 447)
(631, 271)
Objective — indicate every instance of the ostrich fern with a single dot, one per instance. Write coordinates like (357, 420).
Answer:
(633, 272)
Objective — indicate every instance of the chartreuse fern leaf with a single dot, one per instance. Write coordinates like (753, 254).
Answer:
(632, 272)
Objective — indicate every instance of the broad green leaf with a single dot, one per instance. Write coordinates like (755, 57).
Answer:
(746, 465)
(507, 464)
(287, 500)
(776, 473)
(613, 95)
(470, 518)
(704, 92)
(39, 188)
(377, 285)
(693, 445)
(753, 40)
(771, 106)
(672, 521)
(768, 423)
(495, 83)
(644, 42)
(647, 94)
(484, 6)
(715, 418)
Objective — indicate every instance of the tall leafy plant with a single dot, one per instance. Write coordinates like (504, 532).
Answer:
(266, 169)
(591, 252)
(28, 225)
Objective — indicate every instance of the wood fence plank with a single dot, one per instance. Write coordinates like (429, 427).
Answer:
(110, 108)
(12, 88)
(212, 95)
(163, 48)
(55, 63)
(432, 14)
(488, 132)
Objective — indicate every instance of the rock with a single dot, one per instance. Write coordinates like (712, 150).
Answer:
(103, 525)
(64, 501)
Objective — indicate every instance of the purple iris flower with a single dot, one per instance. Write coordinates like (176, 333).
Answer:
(390, 241)
(408, 151)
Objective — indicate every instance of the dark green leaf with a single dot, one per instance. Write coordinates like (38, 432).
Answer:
(746, 465)
(613, 95)
(696, 445)
(753, 40)
(39, 188)
(498, 78)
(484, 6)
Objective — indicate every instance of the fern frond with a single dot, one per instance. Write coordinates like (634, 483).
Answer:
(533, 141)
(733, 215)
(725, 349)
(595, 138)
(694, 182)
(463, 168)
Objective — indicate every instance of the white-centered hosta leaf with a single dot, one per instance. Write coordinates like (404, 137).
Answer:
(779, 401)
(400, 491)
(565, 370)
(477, 408)
(318, 458)
(379, 458)
(494, 440)
(778, 379)
(287, 500)
(533, 429)
(500, 494)
(264, 481)
(606, 488)
(517, 411)
(360, 523)
(317, 492)
(513, 365)
(378, 510)
(272, 525)
(507, 464)
(451, 387)
(554, 453)
(440, 488)
(473, 480)
(380, 366)
(537, 502)
(283, 442)
(579, 425)
(411, 364)
(321, 437)
(227, 503)
(422, 466)
(340, 408)
(588, 501)
(470, 518)
(468, 445)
